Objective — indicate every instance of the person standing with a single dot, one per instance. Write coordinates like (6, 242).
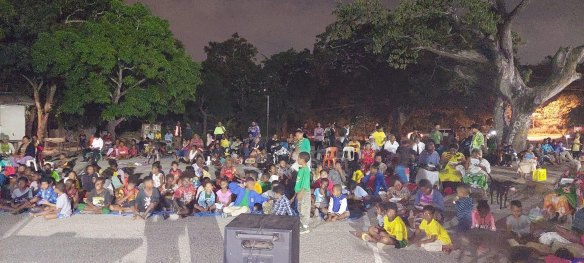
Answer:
(302, 190)
(576, 146)
(330, 134)
(378, 137)
(177, 138)
(219, 131)
(478, 139)
(254, 131)
(436, 137)
(302, 145)
(318, 138)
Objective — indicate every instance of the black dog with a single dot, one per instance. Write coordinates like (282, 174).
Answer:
(501, 189)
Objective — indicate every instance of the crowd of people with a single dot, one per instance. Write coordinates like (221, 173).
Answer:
(320, 174)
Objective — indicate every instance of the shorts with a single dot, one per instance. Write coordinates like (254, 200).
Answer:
(399, 243)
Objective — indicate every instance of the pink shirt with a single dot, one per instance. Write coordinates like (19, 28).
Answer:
(487, 222)
(224, 198)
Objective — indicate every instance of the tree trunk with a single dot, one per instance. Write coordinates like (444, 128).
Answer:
(205, 117)
(111, 126)
(30, 118)
(500, 122)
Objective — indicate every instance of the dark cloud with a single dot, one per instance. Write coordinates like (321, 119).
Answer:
(277, 25)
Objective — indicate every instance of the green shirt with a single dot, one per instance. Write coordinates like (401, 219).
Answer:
(304, 145)
(303, 180)
(244, 200)
(436, 136)
(478, 140)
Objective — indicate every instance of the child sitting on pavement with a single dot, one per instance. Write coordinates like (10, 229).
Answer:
(464, 206)
(337, 206)
(62, 208)
(482, 218)
(517, 223)
(393, 232)
(223, 195)
(45, 197)
(125, 198)
(206, 199)
(98, 200)
(321, 197)
(21, 194)
(184, 197)
(147, 200)
(246, 198)
(281, 203)
(437, 239)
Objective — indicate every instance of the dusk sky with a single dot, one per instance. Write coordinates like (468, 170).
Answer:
(277, 25)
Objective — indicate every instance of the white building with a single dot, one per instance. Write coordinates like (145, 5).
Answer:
(13, 115)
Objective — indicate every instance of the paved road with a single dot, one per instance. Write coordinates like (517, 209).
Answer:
(108, 238)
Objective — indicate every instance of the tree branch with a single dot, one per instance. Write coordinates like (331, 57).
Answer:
(461, 56)
(564, 72)
(130, 88)
(517, 10)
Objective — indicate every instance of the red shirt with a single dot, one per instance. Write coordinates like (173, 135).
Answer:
(185, 194)
(330, 186)
(122, 150)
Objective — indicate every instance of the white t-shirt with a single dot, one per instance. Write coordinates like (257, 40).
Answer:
(360, 192)
(391, 147)
(97, 143)
(156, 180)
(64, 204)
(419, 148)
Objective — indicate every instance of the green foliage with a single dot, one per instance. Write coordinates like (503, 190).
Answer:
(126, 60)
(399, 35)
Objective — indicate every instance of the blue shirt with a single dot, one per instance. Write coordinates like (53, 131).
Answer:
(426, 158)
(48, 195)
(546, 148)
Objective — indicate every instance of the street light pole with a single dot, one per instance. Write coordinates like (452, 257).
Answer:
(268, 118)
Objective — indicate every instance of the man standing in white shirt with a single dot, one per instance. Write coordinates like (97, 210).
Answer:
(391, 145)
(418, 146)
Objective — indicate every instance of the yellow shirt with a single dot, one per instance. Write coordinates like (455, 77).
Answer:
(450, 174)
(435, 229)
(258, 188)
(396, 228)
(225, 143)
(358, 176)
(379, 138)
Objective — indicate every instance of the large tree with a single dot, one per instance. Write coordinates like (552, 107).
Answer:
(21, 22)
(126, 61)
(475, 36)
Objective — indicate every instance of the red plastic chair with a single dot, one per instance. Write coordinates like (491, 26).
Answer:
(330, 156)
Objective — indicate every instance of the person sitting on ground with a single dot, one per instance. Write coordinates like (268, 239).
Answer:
(98, 200)
(437, 238)
(184, 197)
(425, 196)
(281, 204)
(401, 195)
(44, 198)
(125, 198)
(358, 174)
(375, 180)
(72, 191)
(464, 206)
(223, 195)
(61, 209)
(323, 176)
(391, 144)
(88, 179)
(482, 218)
(122, 151)
(21, 194)
(337, 206)
(206, 199)
(175, 172)
(321, 197)
(393, 232)
(476, 170)
(367, 157)
(49, 172)
(147, 200)
(517, 223)
(378, 137)
(451, 175)
(337, 175)
(246, 198)
(356, 192)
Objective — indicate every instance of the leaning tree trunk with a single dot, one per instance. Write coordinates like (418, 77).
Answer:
(30, 118)
(111, 126)
(519, 127)
(43, 110)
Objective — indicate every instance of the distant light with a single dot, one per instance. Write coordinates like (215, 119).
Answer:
(493, 133)
(567, 136)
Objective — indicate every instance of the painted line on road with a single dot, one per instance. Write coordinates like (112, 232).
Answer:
(375, 249)
(184, 246)
(17, 227)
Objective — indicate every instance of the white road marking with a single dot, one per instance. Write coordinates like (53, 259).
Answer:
(184, 246)
(16, 227)
(373, 247)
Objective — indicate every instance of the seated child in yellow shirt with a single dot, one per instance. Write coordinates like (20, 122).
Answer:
(393, 232)
(437, 238)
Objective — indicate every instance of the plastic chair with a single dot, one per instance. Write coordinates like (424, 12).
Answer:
(330, 156)
(349, 153)
(33, 162)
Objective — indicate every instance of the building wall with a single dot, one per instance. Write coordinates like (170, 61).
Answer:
(12, 121)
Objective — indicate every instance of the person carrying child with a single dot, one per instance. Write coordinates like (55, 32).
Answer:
(437, 238)
(337, 206)
(393, 232)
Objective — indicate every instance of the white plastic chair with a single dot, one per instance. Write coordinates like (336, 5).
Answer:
(34, 164)
(349, 153)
